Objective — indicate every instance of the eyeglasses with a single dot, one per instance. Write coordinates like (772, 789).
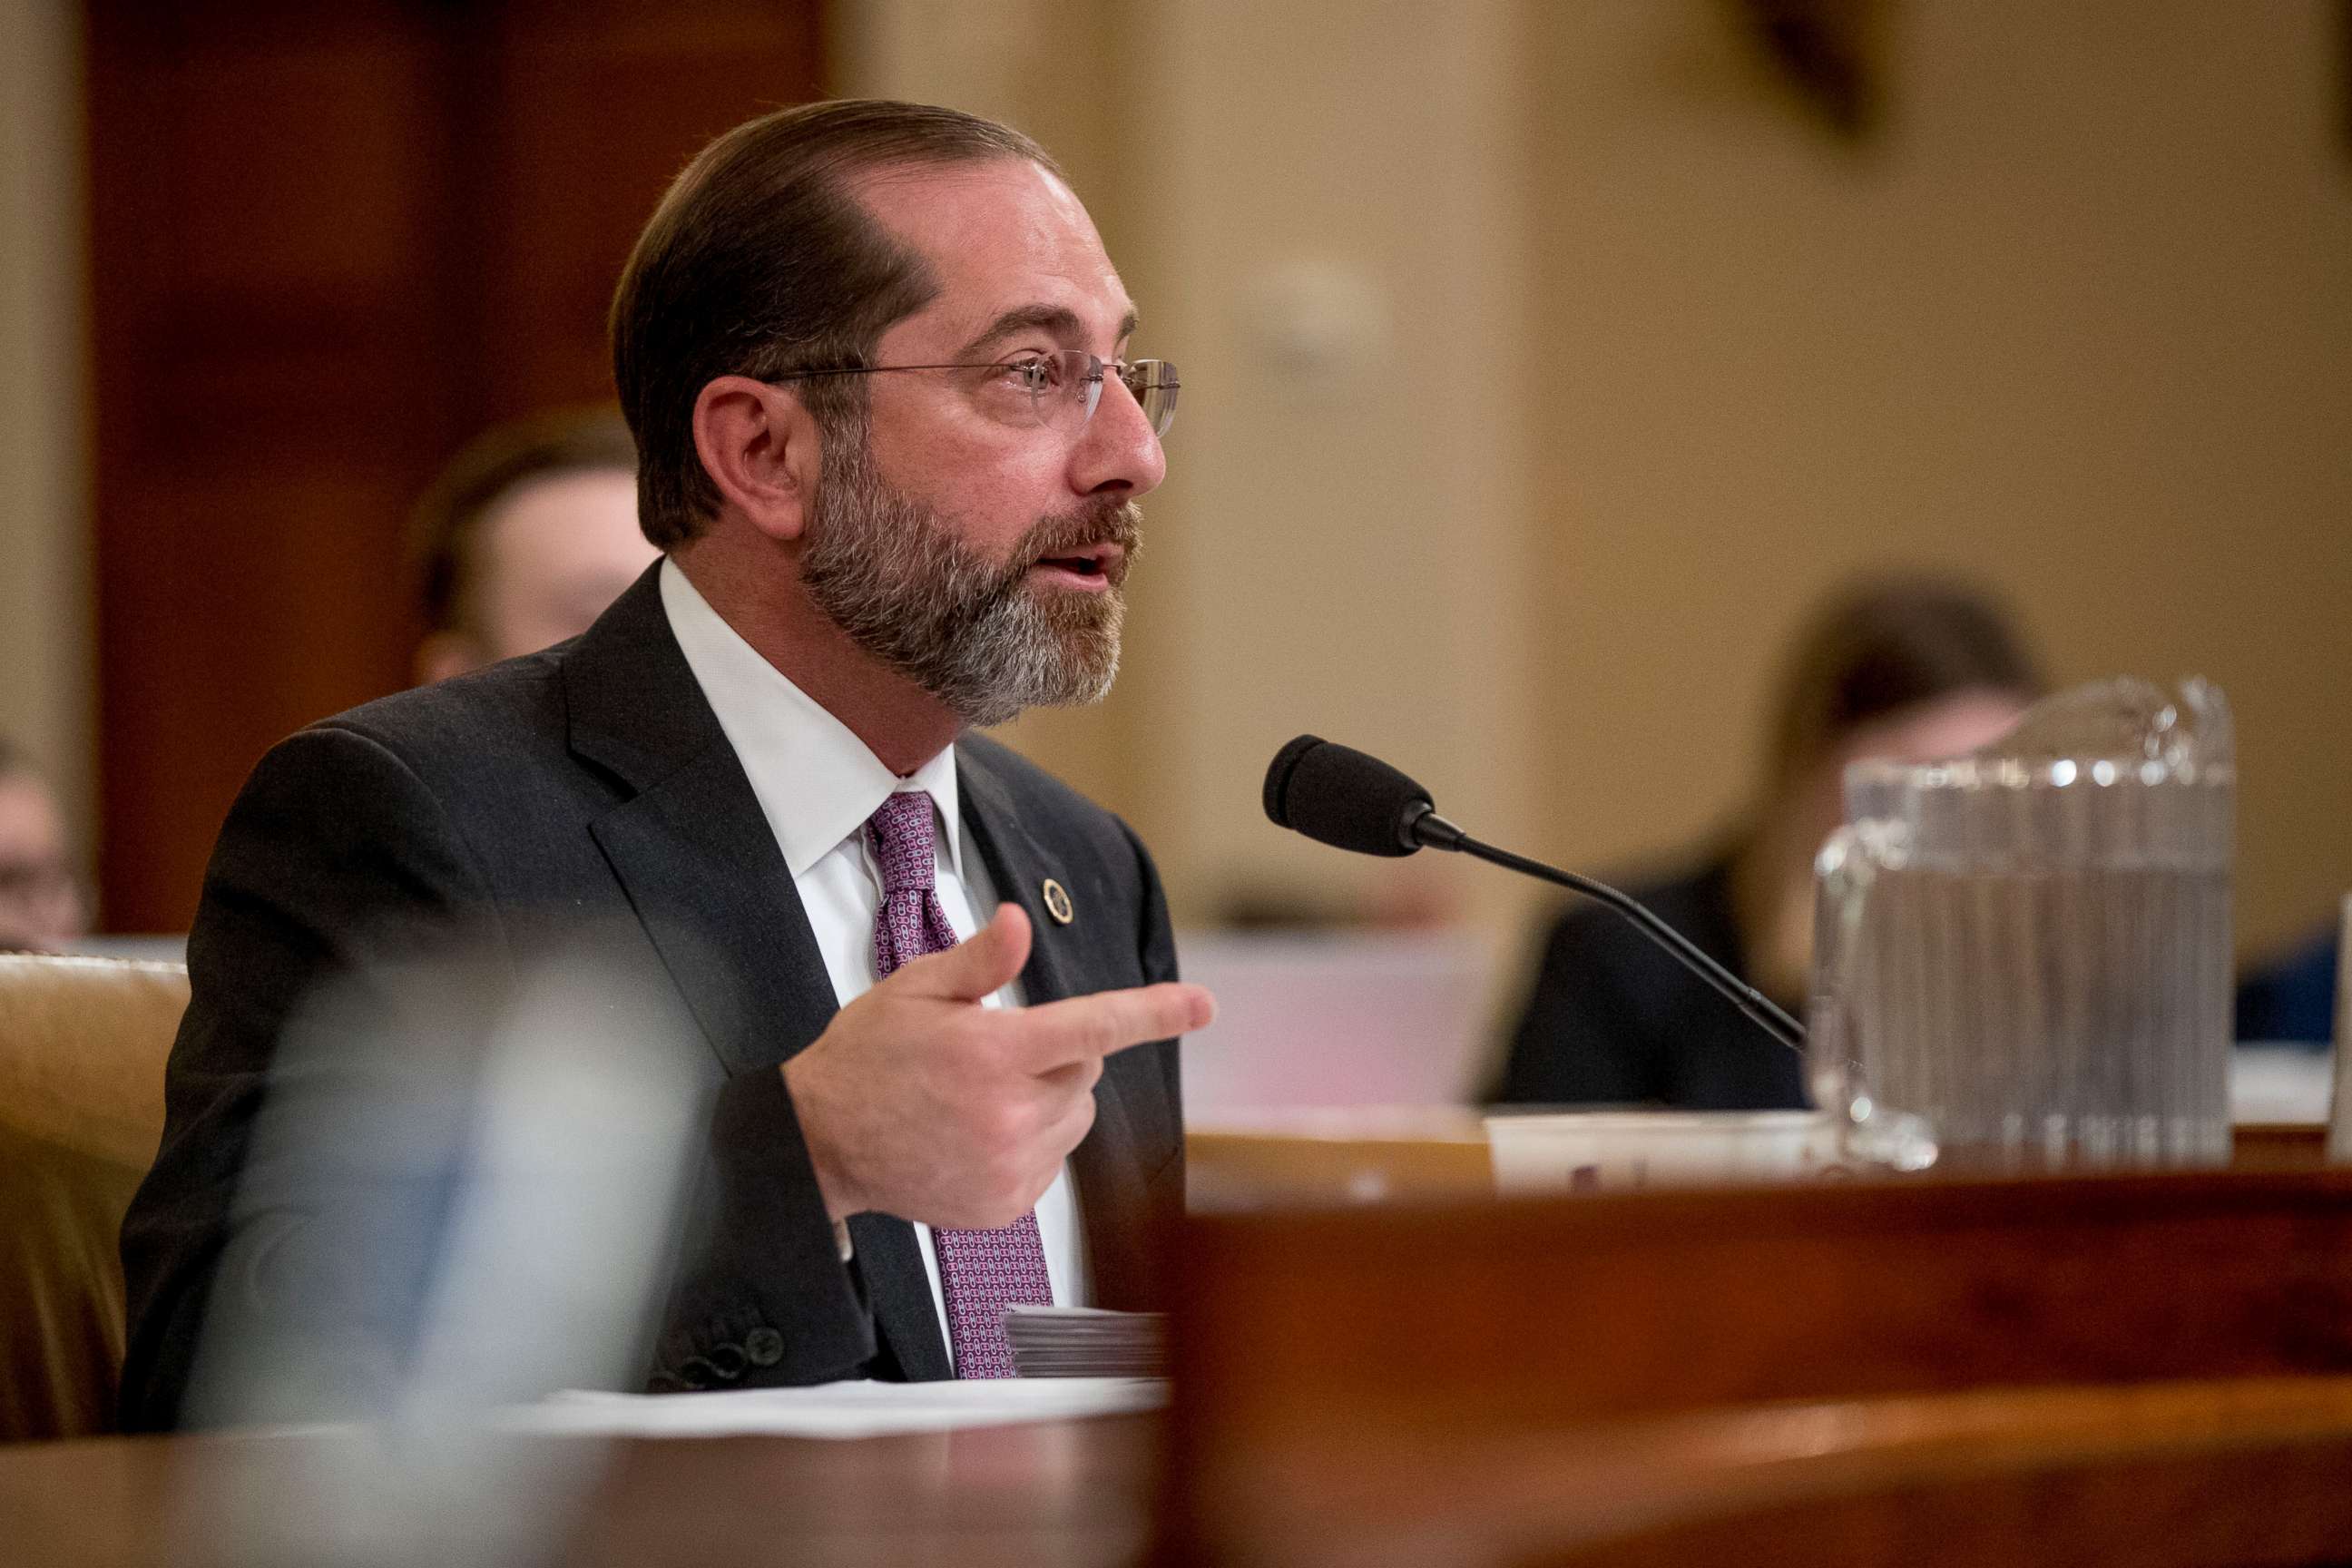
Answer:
(1058, 389)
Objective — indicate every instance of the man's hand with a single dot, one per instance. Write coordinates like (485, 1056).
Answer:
(918, 1101)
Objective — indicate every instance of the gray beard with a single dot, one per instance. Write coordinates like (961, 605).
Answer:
(891, 573)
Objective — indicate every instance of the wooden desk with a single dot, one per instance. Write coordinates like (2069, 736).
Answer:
(1681, 1473)
(1340, 1156)
(1065, 1494)
(1438, 1153)
(2144, 1369)
(2278, 1146)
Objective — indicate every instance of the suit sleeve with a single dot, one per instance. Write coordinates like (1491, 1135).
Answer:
(765, 1298)
(348, 961)
(336, 869)
(1163, 1192)
(1156, 950)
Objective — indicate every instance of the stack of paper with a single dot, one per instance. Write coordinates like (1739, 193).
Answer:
(1084, 1341)
(835, 1409)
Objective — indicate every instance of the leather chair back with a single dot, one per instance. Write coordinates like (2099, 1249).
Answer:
(82, 1046)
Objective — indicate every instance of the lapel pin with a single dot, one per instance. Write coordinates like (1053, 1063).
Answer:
(1057, 902)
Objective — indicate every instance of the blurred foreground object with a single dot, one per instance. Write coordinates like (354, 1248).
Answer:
(479, 1207)
(499, 1161)
(2027, 948)
(82, 1043)
(1906, 670)
(525, 538)
(41, 908)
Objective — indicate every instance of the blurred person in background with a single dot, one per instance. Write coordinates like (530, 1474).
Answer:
(40, 895)
(890, 447)
(525, 538)
(1906, 671)
(2293, 997)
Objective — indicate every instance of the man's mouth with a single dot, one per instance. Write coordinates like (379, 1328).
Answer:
(1094, 568)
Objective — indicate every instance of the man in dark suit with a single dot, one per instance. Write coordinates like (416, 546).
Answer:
(872, 358)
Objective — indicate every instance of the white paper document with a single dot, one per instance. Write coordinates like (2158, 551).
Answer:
(838, 1409)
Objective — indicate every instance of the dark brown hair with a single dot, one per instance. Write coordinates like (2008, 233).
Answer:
(758, 262)
(444, 531)
(1881, 647)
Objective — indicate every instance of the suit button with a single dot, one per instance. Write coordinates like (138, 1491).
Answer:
(696, 1372)
(727, 1361)
(763, 1347)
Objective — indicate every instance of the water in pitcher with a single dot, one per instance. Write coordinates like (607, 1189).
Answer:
(2026, 952)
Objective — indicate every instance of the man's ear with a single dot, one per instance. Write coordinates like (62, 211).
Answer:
(761, 448)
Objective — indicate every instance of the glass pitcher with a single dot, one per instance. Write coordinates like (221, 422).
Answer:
(2023, 955)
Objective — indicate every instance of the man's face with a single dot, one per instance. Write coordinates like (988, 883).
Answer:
(40, 902)
(551, 556)
(979, 551)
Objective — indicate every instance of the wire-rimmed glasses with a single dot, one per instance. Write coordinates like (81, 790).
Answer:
(1060, 388)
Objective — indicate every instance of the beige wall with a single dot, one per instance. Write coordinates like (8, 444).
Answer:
(1542, 365)
(2080, 325)
(45, 658)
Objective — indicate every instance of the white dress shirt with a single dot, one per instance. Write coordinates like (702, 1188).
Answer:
(817, 784)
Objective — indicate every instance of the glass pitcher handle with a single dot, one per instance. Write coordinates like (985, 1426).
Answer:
(1845, 872)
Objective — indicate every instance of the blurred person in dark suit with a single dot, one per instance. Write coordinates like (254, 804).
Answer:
(525, 538)
(1903, 671)
(2292, 995)
(40, 895)
(889, 447)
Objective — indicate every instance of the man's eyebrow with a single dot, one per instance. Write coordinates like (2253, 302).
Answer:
(1058, 320)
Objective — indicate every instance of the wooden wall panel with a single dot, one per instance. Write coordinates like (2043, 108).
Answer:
(328, 244)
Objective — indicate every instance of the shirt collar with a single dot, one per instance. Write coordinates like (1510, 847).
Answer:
(816, 780)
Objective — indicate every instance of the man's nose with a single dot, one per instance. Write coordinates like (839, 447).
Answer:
(1117, 451)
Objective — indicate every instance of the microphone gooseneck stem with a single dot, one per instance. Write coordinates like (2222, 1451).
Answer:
(1434, 832)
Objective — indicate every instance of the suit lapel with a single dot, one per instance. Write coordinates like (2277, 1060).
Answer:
(701, 865)
(891, 1261)
(710, 888)
(691, 847)
(1066, 961)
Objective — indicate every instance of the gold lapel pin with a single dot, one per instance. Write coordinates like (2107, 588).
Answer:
(1057, 902)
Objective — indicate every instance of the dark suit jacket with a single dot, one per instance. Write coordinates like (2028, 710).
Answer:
(2293, 997)
(589, 789)
(1612, 1019)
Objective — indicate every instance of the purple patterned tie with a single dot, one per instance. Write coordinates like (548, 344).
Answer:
(981, 1273)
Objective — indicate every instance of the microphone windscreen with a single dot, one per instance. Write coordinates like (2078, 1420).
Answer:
(1337, 796)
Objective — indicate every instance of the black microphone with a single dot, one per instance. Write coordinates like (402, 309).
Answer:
(1337, 796)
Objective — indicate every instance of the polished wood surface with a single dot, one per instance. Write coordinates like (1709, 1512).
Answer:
(1418, 1350)
(2103, 1370)
(2193, 1476)
(1396, 1155)
(2278, 1146)
(1618, 1305)
(1063, 1494)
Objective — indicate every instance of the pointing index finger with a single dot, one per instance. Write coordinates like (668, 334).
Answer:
(1057, 1033)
